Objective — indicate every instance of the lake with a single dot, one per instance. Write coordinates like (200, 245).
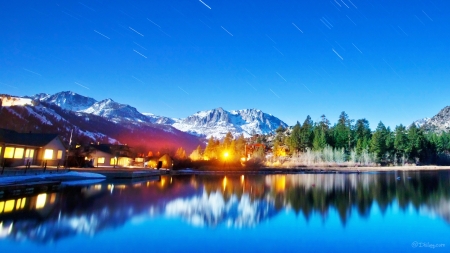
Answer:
(367, 212)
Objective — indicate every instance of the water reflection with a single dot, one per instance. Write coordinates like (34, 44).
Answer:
(208, 201)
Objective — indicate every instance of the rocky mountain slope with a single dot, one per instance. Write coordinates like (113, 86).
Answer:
(44, 117)
(439, 122)
(216, 122)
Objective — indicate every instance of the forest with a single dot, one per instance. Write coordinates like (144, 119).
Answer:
(347, 142)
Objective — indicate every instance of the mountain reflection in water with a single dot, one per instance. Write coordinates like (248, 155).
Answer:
(210, 201)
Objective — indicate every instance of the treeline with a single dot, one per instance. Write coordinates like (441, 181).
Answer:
(354, 141)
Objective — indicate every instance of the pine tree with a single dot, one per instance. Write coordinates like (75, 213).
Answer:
(294, 139)
(363, 134)
(416, 143)
(343, 133)
(320, 140)
(211, 149)
(400, 142)
(306, 134)
(378, 142)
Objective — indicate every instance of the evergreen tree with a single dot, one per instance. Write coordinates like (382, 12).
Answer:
(342, 133)
(227, 141)
(211, 149)
(320, 139)
(306, 134)
(363, 134)
(378, 142)
(240, 146)
(400, 142)
(294, 139)
(416, 143)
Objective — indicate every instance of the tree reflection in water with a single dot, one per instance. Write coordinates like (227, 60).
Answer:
(232, 200)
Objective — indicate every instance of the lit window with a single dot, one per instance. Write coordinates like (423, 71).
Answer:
(19, 153)
(41, 199)
(59, 154)
(101, 160)
(29, 153)
(9, 152)
(23, 203)
(48, 154)
(113, 161)
(9, 205)
(0, 150)
(2, 204)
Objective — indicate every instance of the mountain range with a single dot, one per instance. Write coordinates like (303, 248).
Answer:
(216, 122)
(89, 120)
(109, 121)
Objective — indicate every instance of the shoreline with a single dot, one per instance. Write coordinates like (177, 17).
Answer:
(83, 174)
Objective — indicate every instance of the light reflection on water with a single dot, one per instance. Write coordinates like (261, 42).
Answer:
(387, 211)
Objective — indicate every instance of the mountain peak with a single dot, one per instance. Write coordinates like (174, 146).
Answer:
(218, 122)
(439, 122)
(67, 100)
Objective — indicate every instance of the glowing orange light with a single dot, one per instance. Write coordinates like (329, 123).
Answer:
(224, 183)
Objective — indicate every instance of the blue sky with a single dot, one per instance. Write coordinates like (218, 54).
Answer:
(380, 60)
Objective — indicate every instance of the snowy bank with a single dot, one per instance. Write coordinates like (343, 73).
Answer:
(65, 176)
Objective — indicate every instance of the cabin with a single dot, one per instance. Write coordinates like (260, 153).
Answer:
(18, 149)
(109, 155)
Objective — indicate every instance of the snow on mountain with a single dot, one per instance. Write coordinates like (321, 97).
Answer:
(439, 122)
(218, 122)
(421, 122)
(162, 120)
(67, 100)
(115, 111)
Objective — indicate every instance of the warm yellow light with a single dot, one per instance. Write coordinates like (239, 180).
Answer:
(52, 198)
(2, 204)
(59, 154)
(19, 153)
(280, 183)
(23, 203)
(224, 183)
(18, 204)
(48, 154)
(9, 205)
(225, 155)
(101, 160)
(9, 152)
(242, 179)
(40, 201)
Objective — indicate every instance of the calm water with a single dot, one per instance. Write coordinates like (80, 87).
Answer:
(389, 212)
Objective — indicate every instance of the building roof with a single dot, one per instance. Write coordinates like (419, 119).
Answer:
(113, 149)
(25, 139)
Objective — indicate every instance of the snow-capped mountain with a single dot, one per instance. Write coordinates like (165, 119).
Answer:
(105, 121)
(67, 100)
(439, 122)
(218, 122)
(115, 111)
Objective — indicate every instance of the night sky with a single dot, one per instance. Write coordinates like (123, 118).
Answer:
(379, 60)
